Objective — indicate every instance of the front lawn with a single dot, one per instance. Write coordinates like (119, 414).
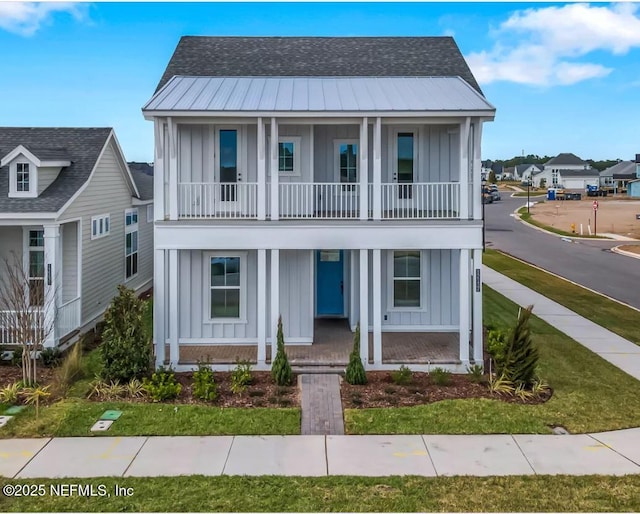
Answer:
(343, 494)
(612, 315)
(590, 394)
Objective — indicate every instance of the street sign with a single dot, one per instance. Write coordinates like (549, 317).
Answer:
(595, 205)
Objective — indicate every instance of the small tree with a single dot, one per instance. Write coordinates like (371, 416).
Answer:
(126, 347)
(543, 183)
(521, 358)
(23, 305)
(355, 373)
(280, 369)
(492, 177)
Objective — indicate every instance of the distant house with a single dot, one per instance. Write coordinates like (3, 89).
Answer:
(142, 167)
(618, 175)
(488, 166)
(525, 171)
(633, 187)
(568, 171)
(77, 218)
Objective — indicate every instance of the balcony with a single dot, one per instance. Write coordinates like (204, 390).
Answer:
(321, 201)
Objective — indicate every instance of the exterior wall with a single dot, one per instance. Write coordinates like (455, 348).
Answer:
(69, 235)
(46, 176)
(633, 189)
(103, 262)
(11, 246)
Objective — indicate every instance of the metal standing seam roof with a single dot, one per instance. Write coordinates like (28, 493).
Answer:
(317, 94)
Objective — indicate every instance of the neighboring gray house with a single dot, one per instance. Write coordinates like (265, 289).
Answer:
(568, 171)
(526, 171)
(618, 176)
(79, 220)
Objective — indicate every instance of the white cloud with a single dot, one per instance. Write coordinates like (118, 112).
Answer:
(540, 46)
(25, 18)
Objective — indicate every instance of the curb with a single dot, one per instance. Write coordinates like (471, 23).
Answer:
(616, 249)
(518, 216)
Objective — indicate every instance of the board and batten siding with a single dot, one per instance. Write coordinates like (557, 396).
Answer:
(69, 234)
(103, 262)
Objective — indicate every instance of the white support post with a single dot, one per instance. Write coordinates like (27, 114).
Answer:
(158, 171)
(173, 171)
(364, 307)
(377, 307)
(464, 169)
(174, 314)
(364, 169)
(275, 193)
(262, 306)
(159, 311)
(478, 354)
(275, 298)
(465, 300)
(377, 169)
(262, 172)
(51, 283)
(477, 170)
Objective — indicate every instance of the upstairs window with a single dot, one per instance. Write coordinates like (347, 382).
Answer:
(288, 156)
(131, 243)
(100, 226)
(22, 177)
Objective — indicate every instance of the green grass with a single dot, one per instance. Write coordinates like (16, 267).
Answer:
(613, 316)
(74, 417)
(590, 394)
(520, 194)
(528, 218)
(344, 494)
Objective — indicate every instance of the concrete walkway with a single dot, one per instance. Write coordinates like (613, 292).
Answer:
(610, 453)
(320, 404)
(611, 347)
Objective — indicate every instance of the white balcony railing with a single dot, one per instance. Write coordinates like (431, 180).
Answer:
(68, 317)
(12, 323)
(217, 200)
(319, 200)
(432, 200)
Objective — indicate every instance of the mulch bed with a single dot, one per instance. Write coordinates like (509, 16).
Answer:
(381, 391)
(10, 374)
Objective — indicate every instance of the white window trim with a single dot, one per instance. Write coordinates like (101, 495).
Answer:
(106, 218)
(128, 229)
(240, 152)
(149, 213)
(26, 249)
(297, 150)
(424, 297)
(336, 165)
(207, 288)
(13, 179)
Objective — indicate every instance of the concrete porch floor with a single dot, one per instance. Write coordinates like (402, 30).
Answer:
(333, 341)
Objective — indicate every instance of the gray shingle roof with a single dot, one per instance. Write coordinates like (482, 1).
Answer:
(144, 183)
(621, 170)
(83, 146)
(564, 159)
(319, 57)
(144, 167)
(591, 172)
(522, 167)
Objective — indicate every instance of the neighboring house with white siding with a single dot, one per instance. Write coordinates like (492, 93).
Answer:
(568, 171)
(77, 218)
(332, 181)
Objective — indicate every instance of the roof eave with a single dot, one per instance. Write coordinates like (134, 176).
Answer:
(488, 113)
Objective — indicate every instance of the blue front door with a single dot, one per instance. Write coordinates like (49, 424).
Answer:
(329, 283)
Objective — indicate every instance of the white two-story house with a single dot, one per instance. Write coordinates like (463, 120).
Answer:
(77, 220)
(330, 181)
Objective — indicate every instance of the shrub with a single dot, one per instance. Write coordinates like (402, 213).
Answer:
(521, 359)
(204, 386)
(68, 372)
(107, 390)
(497, 341)
(11, 393)
(33, 396)
(280, 368)
(135, 389)
(126, 348)
(241, 377)
(16, 356)
(51, 357)
(162, 386)
(441, 377)
(476, 373)
(355, 374)
(402, 376)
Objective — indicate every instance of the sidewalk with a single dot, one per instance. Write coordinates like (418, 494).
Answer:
(609, 453)
(611, 347)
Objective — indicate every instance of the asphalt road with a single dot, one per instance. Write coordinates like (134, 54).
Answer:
(587, 262)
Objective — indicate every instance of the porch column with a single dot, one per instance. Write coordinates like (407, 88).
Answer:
(275, 194)
(174, 315)
(464, 299)
(477, 170)
(262, 305)
(364, 169)
(158, 171)
(478, 355)
(173, 170)
(262, 173)
(377, 308)
(464, 169)
(275, 297)
(364, 307)
(52, 259)
(159, 311)
(377, 171)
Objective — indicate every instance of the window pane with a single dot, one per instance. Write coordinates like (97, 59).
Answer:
(134, 216)
(285, 156)
(406, 293)
(36, 238)
(94, 230)
(405, 158)
(134, 241)
(233, 271)
(228, 155)
(217, 271)
(348, 163)
(127, 245)
(106, 224)
(128, 263)
(225, 303)
(134, 263)
(36, 264)
(406, 264)
(36, 292)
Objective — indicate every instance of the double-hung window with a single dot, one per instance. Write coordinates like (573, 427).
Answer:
(131, 242)
(407, 279)
(227, 287)
(36, 267)
(22, 177)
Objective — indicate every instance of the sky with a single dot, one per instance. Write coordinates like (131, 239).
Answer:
(563, 77)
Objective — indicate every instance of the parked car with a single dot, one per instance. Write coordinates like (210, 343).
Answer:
(487, 196)
(495, 195)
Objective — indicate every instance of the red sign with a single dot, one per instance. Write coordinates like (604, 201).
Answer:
(595, 205)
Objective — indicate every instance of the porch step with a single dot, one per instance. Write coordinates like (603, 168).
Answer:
(317, 370)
